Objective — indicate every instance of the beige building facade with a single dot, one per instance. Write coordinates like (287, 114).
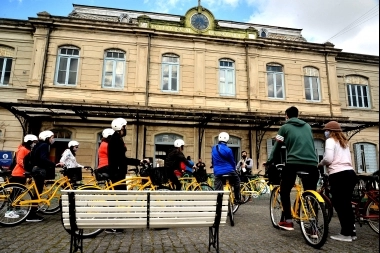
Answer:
(170, 76)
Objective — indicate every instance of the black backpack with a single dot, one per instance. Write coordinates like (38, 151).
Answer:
(28, 163)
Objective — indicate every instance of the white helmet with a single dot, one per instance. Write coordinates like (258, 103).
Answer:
(117, 124)
(30, 137)
(73, 143)
(223, 136)
(107, 132)
(45, 134)
(178, 143)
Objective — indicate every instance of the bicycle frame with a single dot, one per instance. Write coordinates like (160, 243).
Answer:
(372, 195)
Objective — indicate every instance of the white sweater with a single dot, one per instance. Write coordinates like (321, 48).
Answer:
(336, 158)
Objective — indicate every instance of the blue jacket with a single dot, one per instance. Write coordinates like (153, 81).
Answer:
(223, 160)
(188, 168)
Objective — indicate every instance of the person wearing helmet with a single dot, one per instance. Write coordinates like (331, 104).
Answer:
(43, 165)
(298, 139)
(223, 163)
(176, 163)
(68, 156)
(103, 150)
(342, 179)
(18, 176)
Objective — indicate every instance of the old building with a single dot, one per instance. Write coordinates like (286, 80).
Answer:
(170, 76)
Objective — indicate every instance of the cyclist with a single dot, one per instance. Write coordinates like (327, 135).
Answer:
(223, 162)
(176, 163)
(18, 176)
(244, 166)
(342, 179)
(297, 136)
(189, 169)
(68, 157)
(102, 152)
(200, 171)
(40, 157)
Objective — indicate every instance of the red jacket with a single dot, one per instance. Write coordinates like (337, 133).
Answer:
(19, 170)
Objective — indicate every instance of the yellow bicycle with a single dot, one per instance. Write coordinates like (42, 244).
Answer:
(308, 211)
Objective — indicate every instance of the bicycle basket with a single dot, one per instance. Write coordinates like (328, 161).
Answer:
(158, 175)
(74, 174)
(144, 171)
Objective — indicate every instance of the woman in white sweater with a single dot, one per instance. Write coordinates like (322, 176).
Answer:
(342, 179)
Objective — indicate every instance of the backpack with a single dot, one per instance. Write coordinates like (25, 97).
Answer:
(28, 163)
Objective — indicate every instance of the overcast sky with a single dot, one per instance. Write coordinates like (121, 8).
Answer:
(351, 25)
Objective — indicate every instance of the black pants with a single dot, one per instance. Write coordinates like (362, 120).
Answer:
(234, 181)
(173, 178)
(342, 185)
(20, 180)
(39, 175)
(288, 178)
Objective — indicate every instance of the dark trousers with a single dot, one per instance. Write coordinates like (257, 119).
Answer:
(173, 178)
(119, 175)
(234, 181)
(342, 185)
(288, 178)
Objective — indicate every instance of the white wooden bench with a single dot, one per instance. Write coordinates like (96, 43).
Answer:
(121, 209)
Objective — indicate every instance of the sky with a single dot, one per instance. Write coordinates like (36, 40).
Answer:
(351, 25)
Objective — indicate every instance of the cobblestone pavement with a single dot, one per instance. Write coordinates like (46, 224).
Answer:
(252, 232)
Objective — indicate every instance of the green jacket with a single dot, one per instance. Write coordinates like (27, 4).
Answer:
(297, 136)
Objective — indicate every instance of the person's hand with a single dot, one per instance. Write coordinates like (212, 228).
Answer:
(59, 165)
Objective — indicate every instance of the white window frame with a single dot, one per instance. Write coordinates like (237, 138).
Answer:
(224, 85)
(115, 61)
(363, 148)
(5, 62)
(274, 74)
(68, 64)
(311, 73)
(170, 66)
(350, 98)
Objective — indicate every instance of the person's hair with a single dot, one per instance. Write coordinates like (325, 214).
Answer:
(339, 137)
(106, 139)
(27, 144)
(243, 152)
(72, 151)
(188, 158)
(292, 112)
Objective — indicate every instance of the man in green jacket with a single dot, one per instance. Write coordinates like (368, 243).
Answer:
(297, 136)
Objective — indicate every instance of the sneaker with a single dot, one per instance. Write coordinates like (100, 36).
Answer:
(21, 212)
(114, 231)
(286, 225)
(342, 238)
(354, 237)
(34, 218)
(312, 233)
(11, 215)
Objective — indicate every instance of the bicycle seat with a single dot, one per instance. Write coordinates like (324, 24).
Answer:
(101, 176)
(302, 173)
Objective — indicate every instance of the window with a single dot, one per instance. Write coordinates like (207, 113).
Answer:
(226, 77)
(275, 77)
(163, 145)
(365, 157)
(170, 72)
(62, 138)
(312, 86)
(114, 67)
(357, 92)
(283, 152)
(5, 70)
(263, 33)
(67, 62)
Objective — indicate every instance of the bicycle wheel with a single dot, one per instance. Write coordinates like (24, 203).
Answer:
(259, 187)
(372, 215)
(231, 213)
(313, 220)
(87, 233)
(275, 207)
(12, 213)
(328, 206)
(203, 187)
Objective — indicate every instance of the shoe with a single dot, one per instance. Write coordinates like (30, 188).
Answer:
(114, 231)
(354, 237)
(312, 233)
(34, 218)
(21, 212)
(11, 215)
(286, 225)
(342, 238)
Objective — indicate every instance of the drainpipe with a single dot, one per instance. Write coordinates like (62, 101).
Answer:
(148, 72)
(41, 91)
(248, 78)
(328, 85)
(137, 134)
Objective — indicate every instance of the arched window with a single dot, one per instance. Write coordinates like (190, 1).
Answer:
(62, 138)
(114, 68)
(365, 157)
(170, 72)
(226, 77)
(357, 92)
(6, 55)
(235, 144)
(67, 65)
(275, 76)
(163, 144)
(312, 84)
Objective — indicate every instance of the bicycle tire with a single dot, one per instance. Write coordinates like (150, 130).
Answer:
(275, 207)
(203, 187)
(315, 229)
(328, 206)
(372, 215)
(8, 194)
(87, 233)
(231, 214)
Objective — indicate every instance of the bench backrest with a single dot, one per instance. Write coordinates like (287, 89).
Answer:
(143, 209)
